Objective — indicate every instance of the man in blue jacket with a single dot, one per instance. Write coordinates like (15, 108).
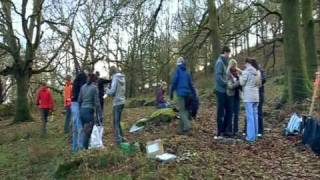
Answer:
(221, 91)
(182, 85)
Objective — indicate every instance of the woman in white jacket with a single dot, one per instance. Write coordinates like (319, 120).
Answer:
(250, 80)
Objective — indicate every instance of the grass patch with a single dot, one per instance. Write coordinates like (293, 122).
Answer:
(95, 159)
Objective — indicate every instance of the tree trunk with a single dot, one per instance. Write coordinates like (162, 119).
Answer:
(214, 30)
(309, 38)
(22, 105)
(296, 71)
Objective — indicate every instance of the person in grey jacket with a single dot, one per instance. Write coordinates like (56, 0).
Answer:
(221, 91)
(89, 104)
(250, 80)
(118, 92)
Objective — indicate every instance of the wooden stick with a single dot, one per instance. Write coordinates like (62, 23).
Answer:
(315, 91)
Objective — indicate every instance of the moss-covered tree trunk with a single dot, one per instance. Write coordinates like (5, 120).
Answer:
(309, 38)
(296, 71)
(214, 31)
(22, 105)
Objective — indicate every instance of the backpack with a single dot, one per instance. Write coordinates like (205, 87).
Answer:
(311, 135)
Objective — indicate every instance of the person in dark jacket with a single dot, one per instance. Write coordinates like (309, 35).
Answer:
(221, 91)
(101, 82)
(77, 139)
(261, 101)
(45, 103)
(182, 85)
(233, 94)
(89, 105)
(160, 100)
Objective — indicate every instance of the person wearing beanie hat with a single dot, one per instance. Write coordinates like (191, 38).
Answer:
(182, 85)
(180, 61)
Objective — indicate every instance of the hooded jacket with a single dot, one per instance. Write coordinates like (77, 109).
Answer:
(78, 82)
(44, 98)
(181, 82)
(118, 89)
(89, 96)
(250, 80)
(67, 94)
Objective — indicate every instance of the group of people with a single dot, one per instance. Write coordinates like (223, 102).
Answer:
(231, 83)
(187, 100)
(83, 101)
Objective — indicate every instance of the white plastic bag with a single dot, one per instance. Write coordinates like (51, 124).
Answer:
(294, 125)
(96, 137)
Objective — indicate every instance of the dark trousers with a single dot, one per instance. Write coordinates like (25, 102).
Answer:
(221, 112)
(233, 108)
(117, 112)
(87, 119)
(260, 115)
(101, 102)
(44, 117)
(236, 111)
(68, 120)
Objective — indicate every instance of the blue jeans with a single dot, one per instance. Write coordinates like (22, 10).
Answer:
(67, 121)
(77, 139)
(87, 119)
(118, 134)
(252, 121)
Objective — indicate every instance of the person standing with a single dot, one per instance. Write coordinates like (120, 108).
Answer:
(77, 139)
(182, 85)
(101, 87)
(261, 101)
(233, 97)
(67, 103)
(118, 92)
(221, 91)
(45, 103)
(250, 80)
(89, 105)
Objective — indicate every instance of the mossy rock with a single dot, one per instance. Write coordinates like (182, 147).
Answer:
(161, 115)
(150, 103)
(135, 103)
(142, 122)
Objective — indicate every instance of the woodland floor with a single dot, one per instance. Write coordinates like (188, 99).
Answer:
(24, 155)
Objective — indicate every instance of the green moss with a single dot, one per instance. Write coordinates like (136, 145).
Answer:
(161, 115)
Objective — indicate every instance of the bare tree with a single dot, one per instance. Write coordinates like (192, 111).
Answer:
(23, 48)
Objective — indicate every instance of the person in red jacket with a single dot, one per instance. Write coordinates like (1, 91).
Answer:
(45, 103)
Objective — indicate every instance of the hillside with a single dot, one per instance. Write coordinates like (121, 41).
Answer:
(23, 154)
